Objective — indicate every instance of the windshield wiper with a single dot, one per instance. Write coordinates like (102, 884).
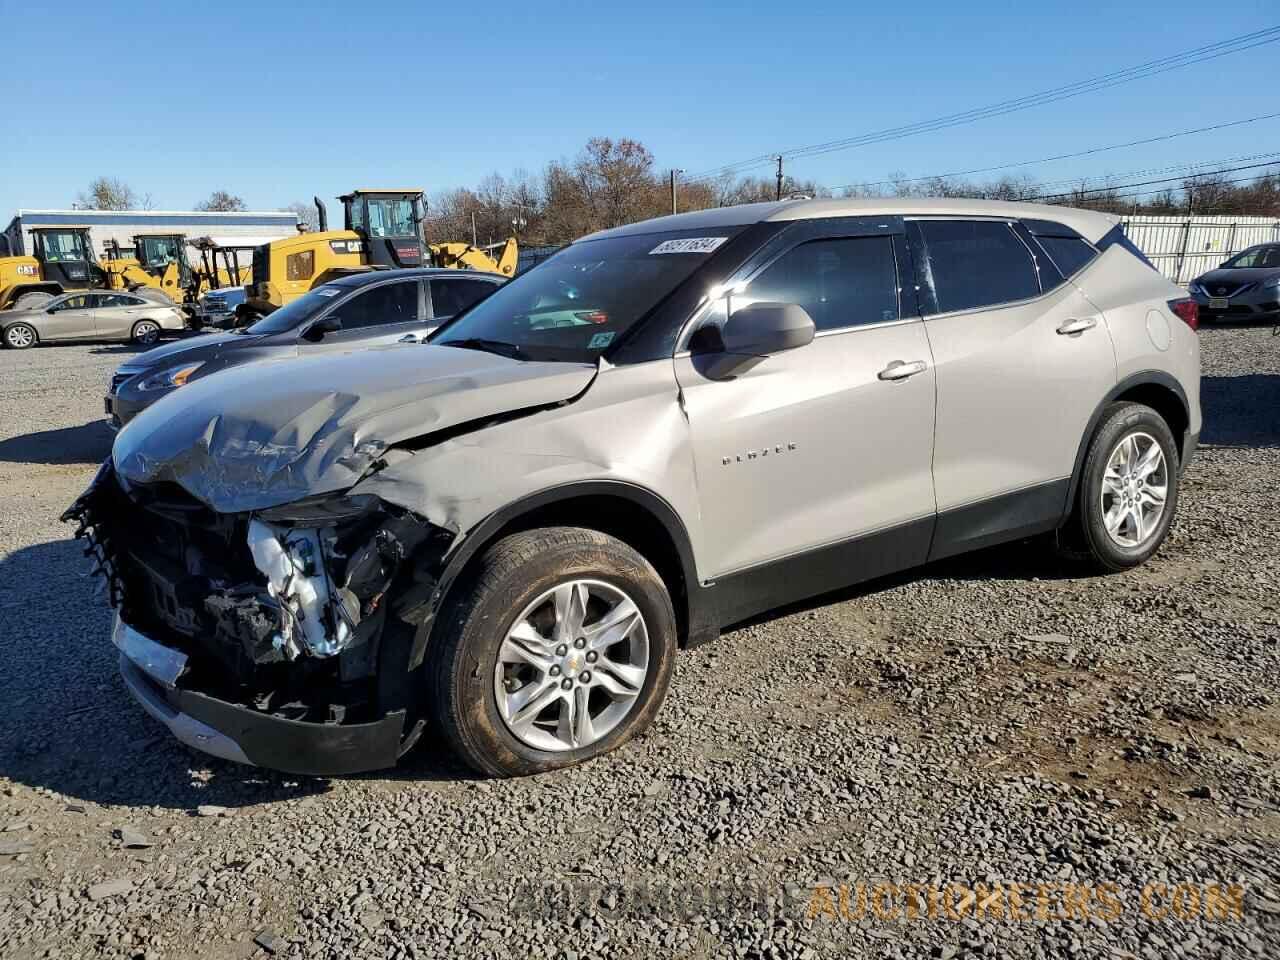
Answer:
(500, 347)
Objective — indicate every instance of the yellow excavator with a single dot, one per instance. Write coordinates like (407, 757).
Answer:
(382, 230)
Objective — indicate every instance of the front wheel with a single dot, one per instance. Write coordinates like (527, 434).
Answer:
(1128, 490)
(145, 332)
(558, 648)
(19, 336)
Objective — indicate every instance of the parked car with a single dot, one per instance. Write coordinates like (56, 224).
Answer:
(91, 316)
(504, 536)
(1246, 287)
(217, 308)
(363, 310)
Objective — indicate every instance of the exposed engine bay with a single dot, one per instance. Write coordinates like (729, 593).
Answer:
(284, 612)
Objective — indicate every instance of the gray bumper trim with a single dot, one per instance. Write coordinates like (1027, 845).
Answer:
(162, 664)
(187, 729)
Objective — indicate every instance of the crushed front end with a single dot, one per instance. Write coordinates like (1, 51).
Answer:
(282, 638)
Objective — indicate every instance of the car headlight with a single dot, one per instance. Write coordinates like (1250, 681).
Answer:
(1194, 287)
(1272, 282)
(173, 377)
(321, 510)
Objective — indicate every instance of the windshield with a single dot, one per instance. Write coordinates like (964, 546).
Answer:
(390, 218)
(64, 247)
(158, 251)
(299, 311)
(575, 305)
(1257, 257)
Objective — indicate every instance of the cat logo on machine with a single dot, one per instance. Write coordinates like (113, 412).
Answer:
(763, 452)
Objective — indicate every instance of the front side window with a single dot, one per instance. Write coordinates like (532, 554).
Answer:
(297, 312)
(390, 218)
(976, 263)
(574, 306)
(450, 296)
(841, 282)
(78, 302)
(389, 303)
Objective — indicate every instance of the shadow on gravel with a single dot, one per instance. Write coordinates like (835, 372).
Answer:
(69, 725)
(88, 443)
(1241, 411)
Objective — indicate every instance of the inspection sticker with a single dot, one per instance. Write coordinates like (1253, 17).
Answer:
(600, 340)
(328, 291)
(689, 245)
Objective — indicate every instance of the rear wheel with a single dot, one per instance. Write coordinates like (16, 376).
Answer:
(145, 332)
(557, 649)
(19, 336)
(1128, 490)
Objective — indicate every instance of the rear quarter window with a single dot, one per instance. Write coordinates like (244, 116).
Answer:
(1069, 254)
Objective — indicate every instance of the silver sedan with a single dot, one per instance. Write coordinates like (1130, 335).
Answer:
(91, 316)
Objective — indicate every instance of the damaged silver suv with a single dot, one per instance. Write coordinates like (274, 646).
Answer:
(502, 537)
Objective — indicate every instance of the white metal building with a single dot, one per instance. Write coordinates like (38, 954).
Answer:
(249, 228)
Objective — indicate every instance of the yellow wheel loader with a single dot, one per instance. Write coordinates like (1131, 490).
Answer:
(160, 262)
(62, 260)
(382, 230)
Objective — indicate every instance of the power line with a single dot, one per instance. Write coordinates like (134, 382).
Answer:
(1144, 193)
(1077, 194)
(1062, 156)
(1141, 71)
(1190, 168)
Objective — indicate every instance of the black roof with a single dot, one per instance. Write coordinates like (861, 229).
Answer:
(373, 276)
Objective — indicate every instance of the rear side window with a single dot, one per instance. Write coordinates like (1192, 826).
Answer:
(842, 282)
(976, 263)
(450, 296)
(1069, 255)
(389, 303)
(1115, 237)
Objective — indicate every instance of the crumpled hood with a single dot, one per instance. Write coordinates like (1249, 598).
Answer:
(266, 434)
(210, 343)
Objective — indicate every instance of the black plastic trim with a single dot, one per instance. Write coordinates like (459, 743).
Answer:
(1009, 516)
(739, 596)
(700, 615)
(294, 746)
(1158, 377)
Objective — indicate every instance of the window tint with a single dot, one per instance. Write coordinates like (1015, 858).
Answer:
(1068, 254)
(1116, 237)
(450, 296)
(976, 263)
(841, 283)
(389, 303)
(80, 302)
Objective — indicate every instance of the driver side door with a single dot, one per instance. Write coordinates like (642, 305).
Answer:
(71, 318)
(814, 465)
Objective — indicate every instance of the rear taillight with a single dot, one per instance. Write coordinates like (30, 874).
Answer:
(1188, 311)
(592, 316)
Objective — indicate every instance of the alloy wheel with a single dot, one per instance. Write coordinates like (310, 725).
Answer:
(20, 337)
(1134, 486)
(146, 332)
(572, 666)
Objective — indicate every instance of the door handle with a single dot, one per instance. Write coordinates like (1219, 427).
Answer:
(898, 370)
(1078, 326)
(410, 338)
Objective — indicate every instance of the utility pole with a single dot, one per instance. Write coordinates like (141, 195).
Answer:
(779, 191)
(675, 171)
(474, 241)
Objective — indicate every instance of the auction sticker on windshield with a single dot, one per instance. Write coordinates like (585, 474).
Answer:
(689, 245)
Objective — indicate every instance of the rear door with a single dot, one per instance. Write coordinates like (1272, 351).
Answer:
(377, 315)
(828, 444)
(112, 315)
(1023, 359)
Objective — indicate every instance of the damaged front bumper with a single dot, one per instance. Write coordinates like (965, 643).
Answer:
(280, 642)
(151, 670)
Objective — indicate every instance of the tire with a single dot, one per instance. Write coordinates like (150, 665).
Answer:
(31, 301)
(1091, 533)
(20, 336)
(145, 332)
(470, 659)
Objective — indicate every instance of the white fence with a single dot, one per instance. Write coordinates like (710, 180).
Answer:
(1185, 247)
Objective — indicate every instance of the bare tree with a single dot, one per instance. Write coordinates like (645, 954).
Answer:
(221, 201)
(308, 216)
(111, 193)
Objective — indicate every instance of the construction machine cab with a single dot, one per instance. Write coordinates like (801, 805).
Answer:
(389, 223)
(66, 258)
(159, 253)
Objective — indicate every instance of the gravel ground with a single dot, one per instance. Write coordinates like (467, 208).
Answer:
(985, 722)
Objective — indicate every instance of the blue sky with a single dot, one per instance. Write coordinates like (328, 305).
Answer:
(277, 102)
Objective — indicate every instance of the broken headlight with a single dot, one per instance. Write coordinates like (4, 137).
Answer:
(322, 510)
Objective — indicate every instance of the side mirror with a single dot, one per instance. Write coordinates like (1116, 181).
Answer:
(316, 332)
(751, 334)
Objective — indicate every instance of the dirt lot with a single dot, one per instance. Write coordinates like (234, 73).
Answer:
(911, 751)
